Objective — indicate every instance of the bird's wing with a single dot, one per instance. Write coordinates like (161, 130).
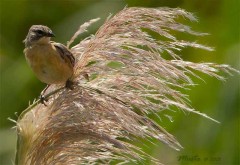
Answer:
(64, 53)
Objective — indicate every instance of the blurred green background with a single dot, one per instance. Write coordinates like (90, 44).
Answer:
(202, 139)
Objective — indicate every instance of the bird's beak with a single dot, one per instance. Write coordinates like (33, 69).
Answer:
(51, 34)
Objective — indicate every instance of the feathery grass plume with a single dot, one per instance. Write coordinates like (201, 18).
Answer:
(121, 77)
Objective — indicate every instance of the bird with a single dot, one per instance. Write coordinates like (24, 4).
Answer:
(52, 62)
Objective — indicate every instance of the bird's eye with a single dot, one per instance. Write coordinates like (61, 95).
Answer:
(39, 32)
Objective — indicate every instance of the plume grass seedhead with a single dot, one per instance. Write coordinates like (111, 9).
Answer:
(122, 75)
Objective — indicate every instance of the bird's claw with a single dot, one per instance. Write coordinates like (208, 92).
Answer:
(69, 84)
(43, 100)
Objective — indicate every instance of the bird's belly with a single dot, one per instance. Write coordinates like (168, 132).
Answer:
(48, 66)
(51, 74)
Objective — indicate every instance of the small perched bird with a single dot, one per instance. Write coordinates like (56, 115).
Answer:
(51, 62)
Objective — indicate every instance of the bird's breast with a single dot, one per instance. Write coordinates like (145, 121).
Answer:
(47, 64)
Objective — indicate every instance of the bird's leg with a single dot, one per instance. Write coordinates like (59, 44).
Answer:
(42, 97)
(69, 84)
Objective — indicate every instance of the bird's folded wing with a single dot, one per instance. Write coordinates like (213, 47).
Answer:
(65, 53)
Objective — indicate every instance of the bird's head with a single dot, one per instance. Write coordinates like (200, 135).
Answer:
(38, 34)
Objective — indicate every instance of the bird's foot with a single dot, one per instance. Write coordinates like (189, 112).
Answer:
(69, 84)
(43, 100)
